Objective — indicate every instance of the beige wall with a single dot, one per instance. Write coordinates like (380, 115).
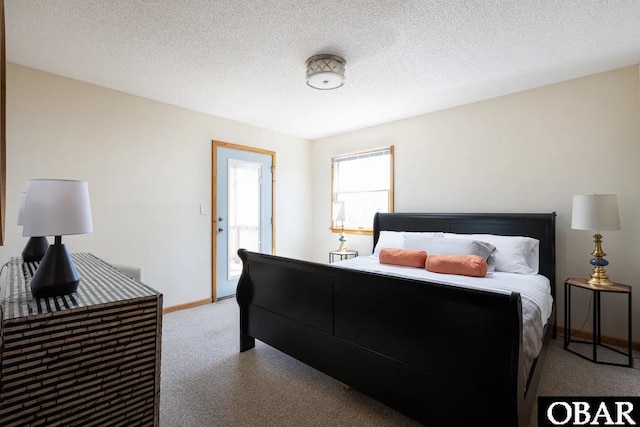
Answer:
(526, 152)
(148, 166)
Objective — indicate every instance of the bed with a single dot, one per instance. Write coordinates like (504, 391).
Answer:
(442, 354)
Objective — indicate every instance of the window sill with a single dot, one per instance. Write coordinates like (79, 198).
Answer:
(352, 231)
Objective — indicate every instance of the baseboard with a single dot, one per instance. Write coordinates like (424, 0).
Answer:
(186, 305)
(613, 341)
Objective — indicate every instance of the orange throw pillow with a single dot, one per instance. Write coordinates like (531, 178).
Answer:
(404, 257)
(463, 265)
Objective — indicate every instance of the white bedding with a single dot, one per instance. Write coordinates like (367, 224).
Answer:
(534, 289)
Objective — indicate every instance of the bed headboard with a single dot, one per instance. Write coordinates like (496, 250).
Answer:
(541, 226)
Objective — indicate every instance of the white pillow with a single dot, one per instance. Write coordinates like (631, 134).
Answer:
(458, 246)
(395, 239)
(424, 233)
(513, 254)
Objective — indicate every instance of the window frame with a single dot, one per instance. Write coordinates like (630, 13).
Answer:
(362, 231)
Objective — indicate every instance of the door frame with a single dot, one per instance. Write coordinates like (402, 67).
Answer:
(214, 202)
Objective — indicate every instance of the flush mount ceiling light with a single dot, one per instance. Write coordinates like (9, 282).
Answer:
(325, 71)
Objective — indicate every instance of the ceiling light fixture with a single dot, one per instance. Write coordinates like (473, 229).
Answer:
(325, 71)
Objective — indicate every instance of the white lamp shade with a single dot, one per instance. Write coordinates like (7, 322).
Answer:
(57, 207)
(595, 212)
(339, 212)
(23, 197)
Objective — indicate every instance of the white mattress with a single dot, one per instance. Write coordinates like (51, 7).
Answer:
(534, 290)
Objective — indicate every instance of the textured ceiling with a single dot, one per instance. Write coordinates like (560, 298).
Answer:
(244, 59)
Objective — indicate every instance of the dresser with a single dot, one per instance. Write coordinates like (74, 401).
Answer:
(85, 359)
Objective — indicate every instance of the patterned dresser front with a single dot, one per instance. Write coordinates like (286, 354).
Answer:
(85, 359)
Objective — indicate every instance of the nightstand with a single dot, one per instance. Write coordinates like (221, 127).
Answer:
(597, 337)
(341, 255)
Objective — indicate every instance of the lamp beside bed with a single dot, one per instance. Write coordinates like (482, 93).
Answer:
(597, 212)
(340, 217)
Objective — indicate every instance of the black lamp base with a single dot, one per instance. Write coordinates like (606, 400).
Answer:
(35, 249)
(56, 275)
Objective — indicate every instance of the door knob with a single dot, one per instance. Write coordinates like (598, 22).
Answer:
(220, 218)
(220, 230)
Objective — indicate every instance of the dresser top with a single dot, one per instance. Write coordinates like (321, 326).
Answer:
(100, 283)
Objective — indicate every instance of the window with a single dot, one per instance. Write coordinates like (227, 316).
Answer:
(361, 185)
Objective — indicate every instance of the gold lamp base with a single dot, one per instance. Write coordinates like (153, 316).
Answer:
(599, 275)
(343, 241)
(599, 281)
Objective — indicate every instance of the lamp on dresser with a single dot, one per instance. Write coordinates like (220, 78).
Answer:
(36, 247)
(596, 212)
(56, 207)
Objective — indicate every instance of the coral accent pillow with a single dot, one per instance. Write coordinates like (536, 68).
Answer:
(463, 265)
(404, 257)
(456, 246)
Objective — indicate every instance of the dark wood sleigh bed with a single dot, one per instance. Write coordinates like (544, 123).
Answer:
(442, 355)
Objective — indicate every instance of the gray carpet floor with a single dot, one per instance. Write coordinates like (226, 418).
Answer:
(205, 381)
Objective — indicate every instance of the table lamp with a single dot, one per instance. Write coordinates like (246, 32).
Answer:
(56, 207)
(596, 212)
(37, 245)
(340, 217)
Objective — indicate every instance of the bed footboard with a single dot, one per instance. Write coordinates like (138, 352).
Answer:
(440, 354)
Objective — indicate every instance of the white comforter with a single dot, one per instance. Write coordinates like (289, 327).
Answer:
(534, 289)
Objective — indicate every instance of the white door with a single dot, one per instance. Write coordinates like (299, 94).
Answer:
(243, 211)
